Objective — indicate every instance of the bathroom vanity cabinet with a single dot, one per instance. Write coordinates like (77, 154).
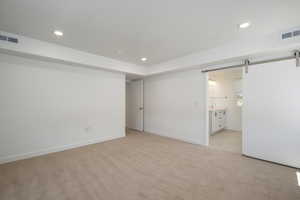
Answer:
(217, 120)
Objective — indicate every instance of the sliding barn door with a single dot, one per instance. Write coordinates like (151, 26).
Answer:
(271, 112)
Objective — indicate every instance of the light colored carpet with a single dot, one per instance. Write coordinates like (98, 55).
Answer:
(227, 140)
(145, 166)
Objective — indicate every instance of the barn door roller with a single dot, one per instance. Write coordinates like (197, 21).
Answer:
(297, 55)
(247, 62)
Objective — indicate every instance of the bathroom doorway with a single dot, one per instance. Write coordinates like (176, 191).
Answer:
(225, 101)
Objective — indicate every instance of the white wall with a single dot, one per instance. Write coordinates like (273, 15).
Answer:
(47, 107)
(271, 112)
(175, 105)
(223, 95)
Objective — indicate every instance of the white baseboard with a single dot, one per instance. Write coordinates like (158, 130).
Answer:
(235, 130)
(12, 158)
(175, 138)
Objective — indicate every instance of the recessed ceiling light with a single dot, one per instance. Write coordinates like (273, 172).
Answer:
(212, 82)
(244, 25)
(144, 59)
(58, 33)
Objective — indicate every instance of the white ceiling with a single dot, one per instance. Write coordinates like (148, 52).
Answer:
(157, 29)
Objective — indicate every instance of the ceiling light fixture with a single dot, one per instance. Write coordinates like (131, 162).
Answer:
(58, 33)
(144, 59)
(212, 82)
(245, 25)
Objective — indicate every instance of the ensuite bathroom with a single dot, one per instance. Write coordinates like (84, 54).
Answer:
(225, 101)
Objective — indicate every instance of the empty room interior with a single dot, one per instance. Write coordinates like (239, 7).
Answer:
(149, 100)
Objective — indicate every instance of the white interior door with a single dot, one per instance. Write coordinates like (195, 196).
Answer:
(271, 112)
(135, 105)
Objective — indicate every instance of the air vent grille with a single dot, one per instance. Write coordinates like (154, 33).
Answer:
(290, 34)
(2, 37)
(287, 35)
(9, 39)
(296, 33)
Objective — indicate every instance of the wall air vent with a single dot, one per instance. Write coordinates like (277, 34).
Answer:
(290, 34)
(9, 39)
(287, 35)
(2, 37)
(296, 33)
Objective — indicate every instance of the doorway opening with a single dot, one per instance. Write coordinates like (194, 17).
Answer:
(224, 102)
(134, 106)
